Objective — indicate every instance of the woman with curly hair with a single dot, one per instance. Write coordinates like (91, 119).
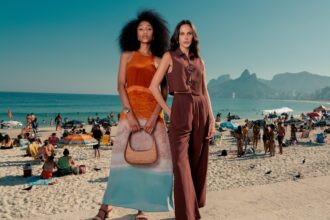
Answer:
(146, 188)
(192, 121)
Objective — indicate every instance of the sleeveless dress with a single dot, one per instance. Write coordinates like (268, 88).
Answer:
(144, 187)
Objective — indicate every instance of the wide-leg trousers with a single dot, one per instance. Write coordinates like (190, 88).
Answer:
(190, 149)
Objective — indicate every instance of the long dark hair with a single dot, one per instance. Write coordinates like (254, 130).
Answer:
(128, 40)
(7, 139)
(194, 47)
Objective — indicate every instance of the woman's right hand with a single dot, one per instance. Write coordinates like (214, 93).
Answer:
(133, 123)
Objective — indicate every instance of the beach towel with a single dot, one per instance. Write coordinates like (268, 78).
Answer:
(36, 180)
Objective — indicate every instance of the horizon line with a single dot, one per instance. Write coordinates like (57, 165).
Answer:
(62, 93)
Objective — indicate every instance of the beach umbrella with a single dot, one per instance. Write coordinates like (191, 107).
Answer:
(12, 124)
(314, 114)
(278, 110)
(229, 125)
(78, 139)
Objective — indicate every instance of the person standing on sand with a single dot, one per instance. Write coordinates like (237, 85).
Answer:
(293, 137)
(239, 139)
(146, 188)
(265, 138)
(256, 136)
(280, 137)
(272, 140)
(192, 120)
(58, 121)
(245, 131)
(97, 134)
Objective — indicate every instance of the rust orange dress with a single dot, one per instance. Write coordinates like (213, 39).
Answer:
(149, 187)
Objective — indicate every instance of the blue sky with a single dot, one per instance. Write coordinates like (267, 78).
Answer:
(71, 46)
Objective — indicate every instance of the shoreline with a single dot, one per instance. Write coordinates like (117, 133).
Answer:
(102, 94)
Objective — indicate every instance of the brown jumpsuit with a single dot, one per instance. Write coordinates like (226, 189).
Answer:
(188, 132)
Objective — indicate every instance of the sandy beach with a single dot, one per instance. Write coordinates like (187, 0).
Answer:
(245, 178)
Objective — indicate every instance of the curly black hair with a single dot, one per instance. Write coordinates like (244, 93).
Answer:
(194, 47)
(128, 37)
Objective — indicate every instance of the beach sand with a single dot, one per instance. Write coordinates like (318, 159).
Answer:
(238, 188)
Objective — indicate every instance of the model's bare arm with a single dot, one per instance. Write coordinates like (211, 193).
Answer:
(157, 79)
(124, 58)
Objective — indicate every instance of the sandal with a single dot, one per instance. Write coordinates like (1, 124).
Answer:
(105, 214)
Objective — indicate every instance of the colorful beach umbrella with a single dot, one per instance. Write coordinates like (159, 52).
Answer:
(314, 114)
(229, 125)
(79, 139)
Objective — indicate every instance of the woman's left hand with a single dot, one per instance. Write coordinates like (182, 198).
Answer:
(150, 125)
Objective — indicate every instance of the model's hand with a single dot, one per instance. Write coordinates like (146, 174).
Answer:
(150, 125)
(168, 112)
(133, 123)
(212, 130)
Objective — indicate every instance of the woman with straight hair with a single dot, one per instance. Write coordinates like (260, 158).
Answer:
(192, 121)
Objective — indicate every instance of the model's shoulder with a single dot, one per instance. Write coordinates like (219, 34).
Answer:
(127, 54)
(167, 54)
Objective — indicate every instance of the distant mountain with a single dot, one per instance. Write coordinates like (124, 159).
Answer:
(246, 86)
(215, 82)
(321, 94)
(302, 85)
(302, 82)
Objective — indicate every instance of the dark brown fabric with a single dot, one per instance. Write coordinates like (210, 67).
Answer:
(189, 147)
(186, 74)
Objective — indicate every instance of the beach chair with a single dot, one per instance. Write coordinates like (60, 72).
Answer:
(105, 140)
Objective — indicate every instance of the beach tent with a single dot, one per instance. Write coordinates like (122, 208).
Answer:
(278, 110)
(229, 124)
(78, 139)
(12, 124)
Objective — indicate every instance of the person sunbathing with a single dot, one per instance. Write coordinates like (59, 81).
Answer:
(7, 143)
(33, 149)
(65, 164)
(53, 139)
(46, 151)
(48, 167)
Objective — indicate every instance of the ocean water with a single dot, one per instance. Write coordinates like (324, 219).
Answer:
(80, 106)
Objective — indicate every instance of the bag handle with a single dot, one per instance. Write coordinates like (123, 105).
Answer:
(129, 140)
